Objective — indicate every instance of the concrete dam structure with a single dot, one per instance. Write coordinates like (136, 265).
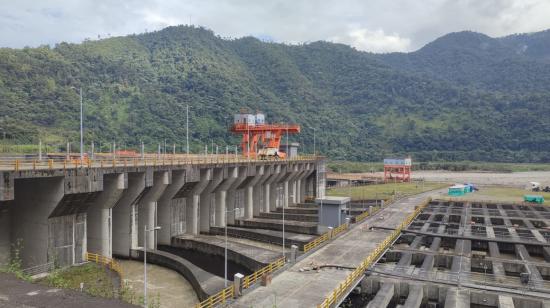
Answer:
(56, 212)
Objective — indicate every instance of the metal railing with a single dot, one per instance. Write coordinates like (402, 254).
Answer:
(18, 164)
(317, 241)
(343, 288)
(105, 261)
(222, 296)
(341, 228)
(325, 237)
(251, 279)
(218, 298)
(39, 269)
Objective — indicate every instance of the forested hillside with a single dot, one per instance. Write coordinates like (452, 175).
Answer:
(464, 96)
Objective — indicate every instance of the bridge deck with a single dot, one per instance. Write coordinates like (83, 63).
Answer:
(300, 287)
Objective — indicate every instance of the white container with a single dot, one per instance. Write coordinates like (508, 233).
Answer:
(244, 119)
(260, 119)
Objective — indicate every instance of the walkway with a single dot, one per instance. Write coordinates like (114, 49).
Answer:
(299, 286)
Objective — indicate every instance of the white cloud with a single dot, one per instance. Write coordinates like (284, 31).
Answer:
(375, 41)
(377, 25)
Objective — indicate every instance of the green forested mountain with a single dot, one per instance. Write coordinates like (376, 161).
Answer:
(464, 96)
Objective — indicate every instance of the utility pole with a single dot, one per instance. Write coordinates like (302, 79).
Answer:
(314, 149)
(187, 129)
(39, 149)
(81, 128)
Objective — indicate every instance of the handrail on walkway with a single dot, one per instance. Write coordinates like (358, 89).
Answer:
(247, 282)
(19, 164)
(344, 286)
(105, 261)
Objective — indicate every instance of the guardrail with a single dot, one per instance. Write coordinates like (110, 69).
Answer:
(39, 269)
(248, 281)
(325, 237)
(105, 261)
(18, 164)
(345, 286)
(317, 241)
(251, 279)
(341, 228)
(218, 298)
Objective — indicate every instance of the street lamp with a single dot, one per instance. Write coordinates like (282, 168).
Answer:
(187, 129)
(81, 126)
(225, 262)
(314, 149)
(145, 261)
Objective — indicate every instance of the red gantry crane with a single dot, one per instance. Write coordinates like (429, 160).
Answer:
(261, 139)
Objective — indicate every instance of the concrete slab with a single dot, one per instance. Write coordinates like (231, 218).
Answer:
(299, 287)
(457, 298)
(505, 301)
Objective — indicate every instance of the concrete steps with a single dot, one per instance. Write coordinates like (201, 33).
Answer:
(290, 216)
(304, 205)
(277, 225)
(266, 236)
(296, 210)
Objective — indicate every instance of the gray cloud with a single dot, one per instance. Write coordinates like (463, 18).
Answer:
(371, 25)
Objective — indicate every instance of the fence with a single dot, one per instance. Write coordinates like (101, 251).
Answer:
(349, 282)
(325, 237)
(218, 298)
(39, 269)
(249, 280)
(105, 261)
(21, 163)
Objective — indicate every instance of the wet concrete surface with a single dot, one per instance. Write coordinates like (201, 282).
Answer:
(173, 289)
(17, 293)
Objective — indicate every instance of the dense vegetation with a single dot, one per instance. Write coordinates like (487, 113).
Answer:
(463, 97)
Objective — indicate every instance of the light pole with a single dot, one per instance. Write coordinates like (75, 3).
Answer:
(81, 125)
(285, 201)
(225, 262)
(81, 128)
(145, 262)
(187, 129)
(287, 154)
(314, 149)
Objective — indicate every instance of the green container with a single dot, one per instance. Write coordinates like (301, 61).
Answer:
(456, 191)
(533, 198)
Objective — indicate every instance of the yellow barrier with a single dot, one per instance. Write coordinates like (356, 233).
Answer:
(341, 228)
(218, 298)
(316, 242)
(252, 278)
(344, 286)
(99, 259)
(227, 293)
(178, 159)
(325, 237)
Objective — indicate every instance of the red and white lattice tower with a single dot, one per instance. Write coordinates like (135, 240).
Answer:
(397, 169)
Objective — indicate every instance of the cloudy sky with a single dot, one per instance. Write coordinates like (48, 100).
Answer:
(371, 25)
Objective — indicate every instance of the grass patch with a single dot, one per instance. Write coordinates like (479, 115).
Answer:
(361, 167)
(98, 281)
(500, 193)
(384, 191)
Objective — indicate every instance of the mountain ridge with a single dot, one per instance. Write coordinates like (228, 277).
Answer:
(363, 106)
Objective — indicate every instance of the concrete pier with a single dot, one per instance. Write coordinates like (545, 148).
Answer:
(57, 215)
